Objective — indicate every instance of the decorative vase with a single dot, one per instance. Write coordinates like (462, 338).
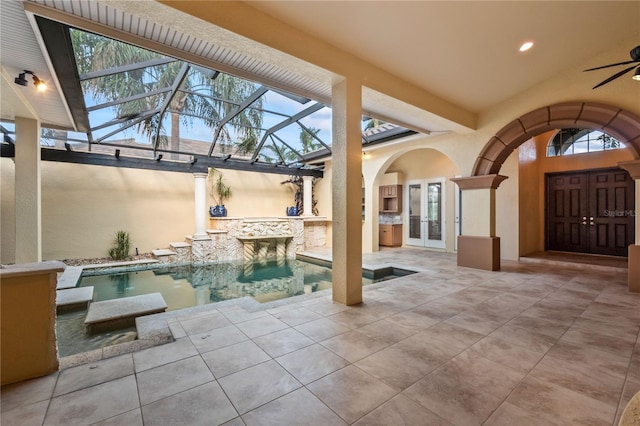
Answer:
(293, 211)
(217, 211)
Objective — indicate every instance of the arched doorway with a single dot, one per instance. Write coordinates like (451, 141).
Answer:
(620, 124)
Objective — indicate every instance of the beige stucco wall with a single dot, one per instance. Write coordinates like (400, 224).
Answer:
(84, 205)
(534, 164)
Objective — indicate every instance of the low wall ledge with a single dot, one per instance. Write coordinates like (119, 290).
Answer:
(36, 268)
(263, 237)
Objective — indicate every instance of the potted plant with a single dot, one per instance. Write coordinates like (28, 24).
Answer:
(220, 192)
(295, 183)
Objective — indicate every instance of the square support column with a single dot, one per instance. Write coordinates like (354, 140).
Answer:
(200, 204)
(346, 189)
(478, 246)
(27, 191)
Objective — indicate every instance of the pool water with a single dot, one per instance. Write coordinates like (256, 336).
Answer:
(189, 285)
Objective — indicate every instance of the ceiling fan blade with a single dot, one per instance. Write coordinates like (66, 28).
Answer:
(611, 65)
(613, 77)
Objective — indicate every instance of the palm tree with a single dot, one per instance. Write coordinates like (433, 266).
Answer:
(308, 141)
(373, 123)
(220, 95)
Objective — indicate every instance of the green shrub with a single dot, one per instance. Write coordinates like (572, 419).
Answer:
(121, 245)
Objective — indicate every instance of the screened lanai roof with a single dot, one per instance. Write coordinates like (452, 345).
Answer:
(134, 104)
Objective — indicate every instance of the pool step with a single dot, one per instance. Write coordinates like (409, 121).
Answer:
(179, 253)
(120, 313)
(73, 299)
(69, 278)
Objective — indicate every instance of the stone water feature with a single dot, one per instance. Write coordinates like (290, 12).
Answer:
(230, 239)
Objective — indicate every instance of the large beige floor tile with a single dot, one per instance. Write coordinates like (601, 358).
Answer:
(507, 353)
(322, 329)
(540, 326)
(555, 404)
(255, 386)
(203, 323)
(612, 363)
(203, 405)
(296, 408)
(87, 375)
(297, 316)
(352, 318)
(452, 398)
(311, 363)
(27, 392)
(398, 366)
(353, 346)
(584, 378)
(482, 373)
(230, 359)
(218, 338)
(401, 411)
(508, 414)
(603, 342)
(282, 342)
(94, 404)
(163, 354)
(25, 415)
(525, 338)
(351, 392)
(474, 323)
(169, 379)
(386, 331)
(261, 326)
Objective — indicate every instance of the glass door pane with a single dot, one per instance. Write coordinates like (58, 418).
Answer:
(434, 211)
(415, 211)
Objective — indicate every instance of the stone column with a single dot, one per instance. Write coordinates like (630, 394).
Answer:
(281, 249)
(633, 277)
(346, 190)
(27, 191)
(200, 204)
(478, 246)
(307, 194)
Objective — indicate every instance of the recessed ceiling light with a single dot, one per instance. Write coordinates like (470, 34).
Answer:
(526, 46)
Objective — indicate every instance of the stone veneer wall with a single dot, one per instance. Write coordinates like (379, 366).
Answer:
(223, 242)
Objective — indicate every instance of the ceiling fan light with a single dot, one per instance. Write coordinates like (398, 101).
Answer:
(636, 74)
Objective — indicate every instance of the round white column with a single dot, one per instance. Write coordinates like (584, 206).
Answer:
(307, 196)
(200, 204)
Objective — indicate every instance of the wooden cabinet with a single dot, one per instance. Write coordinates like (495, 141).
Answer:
(390, 235)
(391, 199)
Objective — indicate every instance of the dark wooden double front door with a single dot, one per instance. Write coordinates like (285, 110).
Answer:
(590, 212)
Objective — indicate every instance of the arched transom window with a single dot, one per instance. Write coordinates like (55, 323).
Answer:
(580, 141)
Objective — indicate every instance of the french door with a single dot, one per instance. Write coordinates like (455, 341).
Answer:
(425, 211)
(590, 212)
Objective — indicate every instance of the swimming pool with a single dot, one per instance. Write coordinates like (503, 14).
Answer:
(189, 285)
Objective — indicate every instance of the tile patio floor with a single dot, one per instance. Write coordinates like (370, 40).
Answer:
(532, 344)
